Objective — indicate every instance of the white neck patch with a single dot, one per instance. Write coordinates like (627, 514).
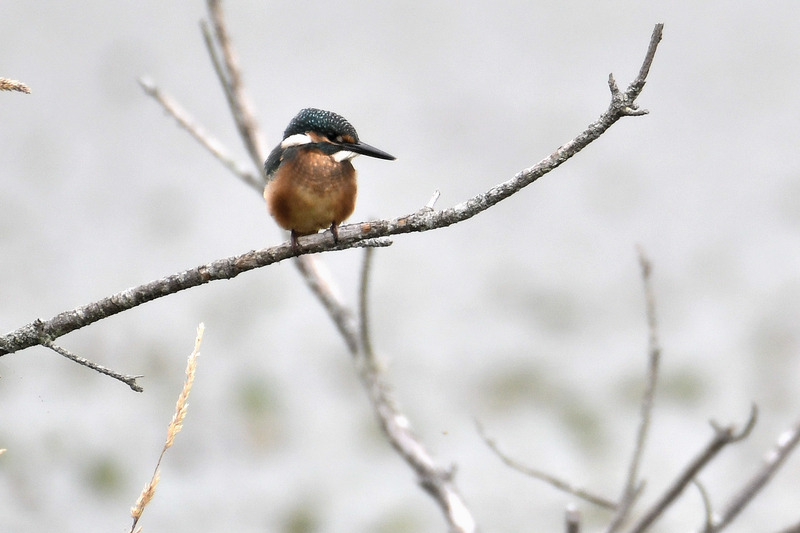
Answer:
(295, 140)
(343, 155)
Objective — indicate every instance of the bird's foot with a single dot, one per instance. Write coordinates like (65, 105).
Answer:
(335, 232)
(295, 244)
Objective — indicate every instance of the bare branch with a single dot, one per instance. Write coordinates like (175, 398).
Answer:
(644, 71)
(556, 482)
(632, 485)
(7, 84)
(238, 101)
(38, 332)
(130, 381)
(723, 436)
(786, 444)
(201, 135)
(435, 479)
(318, 278)
(623, 100)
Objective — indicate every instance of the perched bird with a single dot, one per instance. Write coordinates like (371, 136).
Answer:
(311, 183)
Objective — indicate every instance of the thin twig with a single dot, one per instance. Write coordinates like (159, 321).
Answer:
(787, 442)
(200, 134)
(435, 479)
(556, 482)
(130, 381)
(623, 100)
(632, 485)
(707, 508)
(723, 436)
(239, 103)
(318, 278)
(644, 71)
(363, 317)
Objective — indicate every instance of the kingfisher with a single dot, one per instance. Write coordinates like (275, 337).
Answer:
(311, 182)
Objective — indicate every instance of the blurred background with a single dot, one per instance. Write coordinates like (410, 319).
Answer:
(528, 317)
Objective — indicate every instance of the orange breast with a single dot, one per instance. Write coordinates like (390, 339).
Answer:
(311, 191)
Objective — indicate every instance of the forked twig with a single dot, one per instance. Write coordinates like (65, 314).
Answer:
(723, 436)
(787, 442)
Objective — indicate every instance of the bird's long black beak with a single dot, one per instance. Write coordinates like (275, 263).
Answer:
(365, 149)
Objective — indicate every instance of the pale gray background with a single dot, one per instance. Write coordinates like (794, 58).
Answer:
(528, 317)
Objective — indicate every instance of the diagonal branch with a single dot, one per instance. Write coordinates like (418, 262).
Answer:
(350, 235)
(723, 436)
(200, 134)
(39, 332)
(130, 381)
(787, 442)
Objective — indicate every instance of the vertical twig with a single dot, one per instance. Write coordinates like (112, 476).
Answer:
(437, 481)
(632, 485)
(318, 278)
(239, 103)
(707, 508)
